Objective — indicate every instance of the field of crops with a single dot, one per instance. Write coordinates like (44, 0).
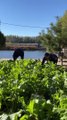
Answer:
(30, 91)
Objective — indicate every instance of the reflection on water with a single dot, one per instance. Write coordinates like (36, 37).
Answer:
(27, 54)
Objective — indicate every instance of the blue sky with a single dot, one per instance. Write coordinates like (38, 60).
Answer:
(34, 15)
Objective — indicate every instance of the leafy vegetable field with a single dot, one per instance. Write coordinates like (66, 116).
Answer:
(30, 91)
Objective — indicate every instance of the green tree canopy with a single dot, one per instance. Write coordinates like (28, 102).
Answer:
(2, 40)
(56, 37)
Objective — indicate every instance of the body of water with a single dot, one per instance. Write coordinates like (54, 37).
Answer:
(5, 54)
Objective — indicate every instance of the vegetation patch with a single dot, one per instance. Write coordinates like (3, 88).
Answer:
(30, 91)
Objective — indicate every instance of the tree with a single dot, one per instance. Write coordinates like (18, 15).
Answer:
(64, 28)
(2, 40)
(56, 37)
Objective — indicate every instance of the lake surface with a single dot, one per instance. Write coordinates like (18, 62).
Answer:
(5, 54)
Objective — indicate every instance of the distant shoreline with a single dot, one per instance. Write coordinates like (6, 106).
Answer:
(27, 48)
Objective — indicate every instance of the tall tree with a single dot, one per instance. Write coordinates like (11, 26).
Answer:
(2, 40)
(64, 28)
(56, 37)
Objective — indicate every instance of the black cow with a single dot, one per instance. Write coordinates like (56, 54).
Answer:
(50, 57)
(18, 53)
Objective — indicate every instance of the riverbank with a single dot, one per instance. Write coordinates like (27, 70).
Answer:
(25, 46)
(13, 47)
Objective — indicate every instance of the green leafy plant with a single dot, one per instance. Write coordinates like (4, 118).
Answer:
(39, 92)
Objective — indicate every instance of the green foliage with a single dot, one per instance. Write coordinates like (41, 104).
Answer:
(2, 40)
(56, 37)
(18, 39)
(30, 91)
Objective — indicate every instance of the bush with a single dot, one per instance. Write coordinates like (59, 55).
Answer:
(39, 92)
